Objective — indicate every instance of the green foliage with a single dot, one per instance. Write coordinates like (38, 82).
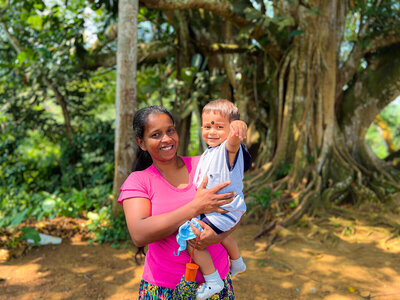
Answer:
(391, 115)
(38, 180)
(42, 173)
(283, 169)
(265, 196)
(30, 234)
(107, 228)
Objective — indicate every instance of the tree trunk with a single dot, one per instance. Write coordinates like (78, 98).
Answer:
(323, 158)
(125, 102)
(63, 104)
(305, 118)
(184, 56)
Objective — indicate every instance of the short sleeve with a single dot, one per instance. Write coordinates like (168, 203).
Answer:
(246, 158)
(133, 187)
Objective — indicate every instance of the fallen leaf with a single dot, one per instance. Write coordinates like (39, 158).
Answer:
(351, 289)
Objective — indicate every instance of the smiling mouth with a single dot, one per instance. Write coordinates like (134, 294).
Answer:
(167, 148)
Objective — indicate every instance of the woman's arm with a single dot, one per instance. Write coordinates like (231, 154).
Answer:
(145, 229)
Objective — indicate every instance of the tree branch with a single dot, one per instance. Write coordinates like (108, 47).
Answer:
(374, 88)
(153, 52)
(350, 67)
(226, 10)
(13, 41)
(110, 35)
(147, 53)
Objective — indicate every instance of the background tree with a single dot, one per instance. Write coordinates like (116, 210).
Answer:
(125, 101)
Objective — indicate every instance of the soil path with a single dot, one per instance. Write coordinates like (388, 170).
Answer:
(341, 260)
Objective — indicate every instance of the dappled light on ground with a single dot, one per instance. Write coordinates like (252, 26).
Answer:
(343, 259)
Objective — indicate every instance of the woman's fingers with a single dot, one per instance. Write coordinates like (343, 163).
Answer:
(221, 210)
(207, 237)
(195, 230)
(226, 196)
(204, 182)
(220, 186)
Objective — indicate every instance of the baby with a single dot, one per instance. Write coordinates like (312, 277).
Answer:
(225, 159)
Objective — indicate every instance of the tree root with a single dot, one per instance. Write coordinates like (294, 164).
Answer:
(309, 195)
(364, 193)
(266, 229)
(335, 191)
(280, 237)
(374, 220)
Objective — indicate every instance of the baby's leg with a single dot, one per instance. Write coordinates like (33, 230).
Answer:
(237, 263)
(214, 283)
(203, 259)
(231, 246)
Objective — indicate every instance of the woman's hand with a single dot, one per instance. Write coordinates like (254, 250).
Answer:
(208, 201)
(207, 236)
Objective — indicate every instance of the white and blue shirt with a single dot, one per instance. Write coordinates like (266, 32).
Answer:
(214, 163)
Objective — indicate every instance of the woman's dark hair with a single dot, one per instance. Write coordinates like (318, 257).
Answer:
(143, 159)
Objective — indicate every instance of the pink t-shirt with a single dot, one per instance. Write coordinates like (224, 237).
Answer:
(161, 266)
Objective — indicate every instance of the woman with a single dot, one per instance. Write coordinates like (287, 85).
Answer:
(159, 197)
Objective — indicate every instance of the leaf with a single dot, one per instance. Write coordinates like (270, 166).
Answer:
(296, 32)
(285, 22)
(197, 59)
(18, 218)
(252, 14)
(38, 6)
(351, 289)
(21, 57)
(48, 205)
(93, 216)
(188, 74)
(314, 10)
(30, 233)
(204, 65)
(36, 22)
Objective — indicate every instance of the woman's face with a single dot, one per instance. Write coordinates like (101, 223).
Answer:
(160, 138)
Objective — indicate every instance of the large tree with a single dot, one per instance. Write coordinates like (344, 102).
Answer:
(310, 77)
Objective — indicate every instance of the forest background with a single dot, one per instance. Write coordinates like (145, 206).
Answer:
(316, 81)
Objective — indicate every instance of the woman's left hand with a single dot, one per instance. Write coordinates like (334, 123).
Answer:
(207, 237)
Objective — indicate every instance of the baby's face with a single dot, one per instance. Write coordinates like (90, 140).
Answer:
(215, 128)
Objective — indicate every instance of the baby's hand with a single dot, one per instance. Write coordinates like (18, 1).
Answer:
(238, 128)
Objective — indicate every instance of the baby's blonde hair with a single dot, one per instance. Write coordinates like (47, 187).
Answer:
(223, 107)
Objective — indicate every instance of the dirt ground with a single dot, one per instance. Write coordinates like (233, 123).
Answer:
(320, 258)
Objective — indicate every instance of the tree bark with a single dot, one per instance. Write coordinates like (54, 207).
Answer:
(125, 101)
